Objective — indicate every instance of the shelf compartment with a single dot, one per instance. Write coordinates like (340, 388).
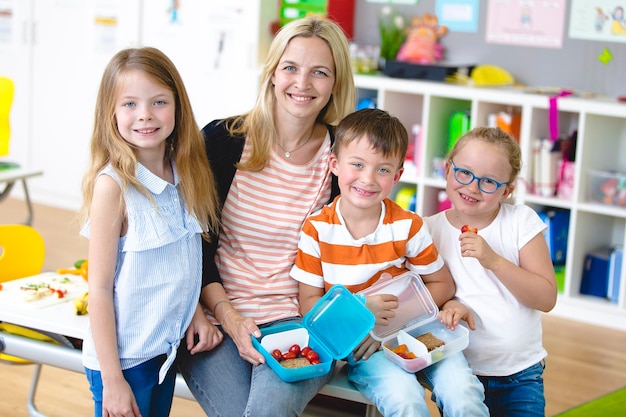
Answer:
(406, 107)
(540, 126)
(438, 125)
(366, 98)
(431, 199)
(591, 232)
(486, 110)
(602, 148)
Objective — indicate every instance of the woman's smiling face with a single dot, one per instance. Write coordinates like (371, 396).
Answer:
(305, 76)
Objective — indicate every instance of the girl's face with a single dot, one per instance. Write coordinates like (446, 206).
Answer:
(304, 78)
(144, 111)
(484, 160)
(365, 176)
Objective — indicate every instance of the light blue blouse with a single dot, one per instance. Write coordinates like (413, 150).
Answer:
(157, 275)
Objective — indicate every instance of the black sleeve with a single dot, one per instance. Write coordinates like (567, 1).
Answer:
(223, 151)
(334, 189)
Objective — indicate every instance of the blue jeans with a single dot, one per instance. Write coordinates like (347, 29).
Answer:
(395, 392)
(154, 400)
(225, 385)
(517, 395)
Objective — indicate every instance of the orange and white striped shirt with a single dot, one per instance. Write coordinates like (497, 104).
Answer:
(261, 222)
(329, 255)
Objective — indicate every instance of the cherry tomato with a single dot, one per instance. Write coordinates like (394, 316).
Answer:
(312, 356)
(315, 362)
(304, 351)
(60, 293)
(468, 228)
(289, 355)
(277, 354)
(295, 349)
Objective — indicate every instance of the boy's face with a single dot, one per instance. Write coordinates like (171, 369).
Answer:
(365, 175)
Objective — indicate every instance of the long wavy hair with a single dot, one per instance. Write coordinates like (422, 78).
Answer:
(258, 124)
(185, 146)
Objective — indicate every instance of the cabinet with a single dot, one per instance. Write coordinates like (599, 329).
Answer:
(56, 50)
(601, 145)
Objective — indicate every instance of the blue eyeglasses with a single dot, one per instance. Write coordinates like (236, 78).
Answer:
(466, 177)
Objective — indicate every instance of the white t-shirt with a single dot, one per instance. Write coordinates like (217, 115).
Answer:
(508, 335)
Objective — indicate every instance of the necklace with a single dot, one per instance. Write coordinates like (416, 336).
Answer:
(287, 153)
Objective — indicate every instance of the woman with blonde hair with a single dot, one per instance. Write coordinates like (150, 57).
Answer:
(272, 171)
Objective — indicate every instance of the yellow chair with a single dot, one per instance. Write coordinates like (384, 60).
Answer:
(6, 99)
(22, 253)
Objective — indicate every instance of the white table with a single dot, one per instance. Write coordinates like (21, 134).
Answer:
(54, 320)
(10, 176)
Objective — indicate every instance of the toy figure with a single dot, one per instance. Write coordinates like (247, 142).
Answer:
(609, 190)
(422, 43)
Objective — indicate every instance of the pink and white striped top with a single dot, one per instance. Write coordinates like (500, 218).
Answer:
(261, 222)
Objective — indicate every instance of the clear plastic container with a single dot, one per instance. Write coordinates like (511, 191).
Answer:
(608, 187)
(336, 324)
(416, 315)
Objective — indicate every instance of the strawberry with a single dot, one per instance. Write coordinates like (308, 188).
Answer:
(468, 228)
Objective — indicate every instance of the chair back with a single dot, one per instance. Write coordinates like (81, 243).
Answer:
(22, 251)
(6, 99)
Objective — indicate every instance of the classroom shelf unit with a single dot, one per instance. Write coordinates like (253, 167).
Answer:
(600, 123)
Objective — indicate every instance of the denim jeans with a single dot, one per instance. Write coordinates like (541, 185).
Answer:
(225, 385)
(154, 400)
(517, 395)
(395, 392)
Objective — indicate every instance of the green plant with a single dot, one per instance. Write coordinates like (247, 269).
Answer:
(392, 26)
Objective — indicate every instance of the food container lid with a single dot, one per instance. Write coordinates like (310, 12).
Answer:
(416, 307)
(339, 321)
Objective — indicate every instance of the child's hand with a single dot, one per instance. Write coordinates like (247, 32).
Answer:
(118, 400)
(474, 246)
(366, 348)
(382, 307)
(201, 334)
(454, 311)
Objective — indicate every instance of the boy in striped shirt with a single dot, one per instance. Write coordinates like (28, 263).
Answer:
(359, 237)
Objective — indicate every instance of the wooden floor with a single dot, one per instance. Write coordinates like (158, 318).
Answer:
(584, 361)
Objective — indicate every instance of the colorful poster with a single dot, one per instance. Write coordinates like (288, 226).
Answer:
(538, 23)
(598, 20)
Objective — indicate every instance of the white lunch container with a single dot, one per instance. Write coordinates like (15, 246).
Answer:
(416, 315)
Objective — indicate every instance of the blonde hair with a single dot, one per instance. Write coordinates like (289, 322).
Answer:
(498, 138)
(384, 132)
(258, 123)
(185, 145)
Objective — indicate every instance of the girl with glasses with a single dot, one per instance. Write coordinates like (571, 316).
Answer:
(503, 271)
